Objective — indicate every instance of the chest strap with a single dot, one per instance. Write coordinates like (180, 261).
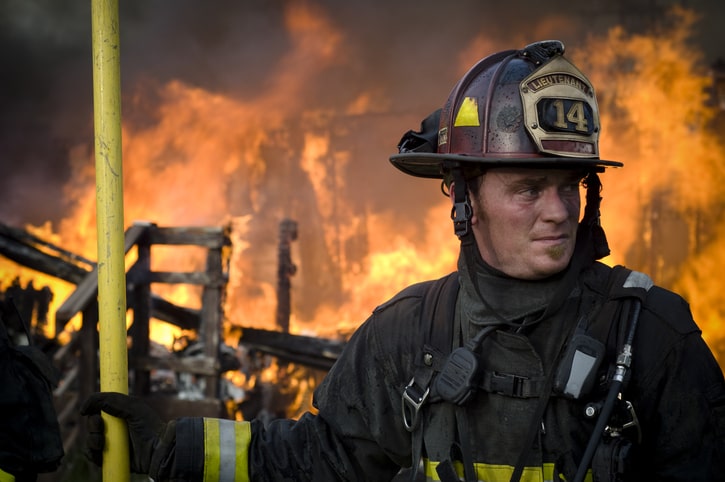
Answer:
(512, 385)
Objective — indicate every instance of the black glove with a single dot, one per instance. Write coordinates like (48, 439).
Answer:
(152, 440)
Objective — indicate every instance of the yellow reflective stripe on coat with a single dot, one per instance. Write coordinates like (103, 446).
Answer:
(501, 473)
(5, 477)
(226, 450)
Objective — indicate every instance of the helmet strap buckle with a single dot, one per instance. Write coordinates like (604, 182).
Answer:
(462, 211)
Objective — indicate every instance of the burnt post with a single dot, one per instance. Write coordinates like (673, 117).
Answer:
(286, 269)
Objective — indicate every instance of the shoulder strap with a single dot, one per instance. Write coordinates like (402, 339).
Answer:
(439, 311)
(438, 315)
(613, 323)
(605, 321)
(630, 294)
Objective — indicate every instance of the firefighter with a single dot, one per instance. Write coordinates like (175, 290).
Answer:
(534, 361)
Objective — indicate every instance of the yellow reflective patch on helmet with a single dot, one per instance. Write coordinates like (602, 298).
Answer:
(467, 114)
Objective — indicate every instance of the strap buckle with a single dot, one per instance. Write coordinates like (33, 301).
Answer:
(626, 419)
(460, 214)
(413, 398)
(506, 384)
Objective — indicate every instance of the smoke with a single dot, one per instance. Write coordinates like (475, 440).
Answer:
(412, 50)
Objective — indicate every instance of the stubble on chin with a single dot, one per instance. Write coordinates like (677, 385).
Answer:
(556, 252)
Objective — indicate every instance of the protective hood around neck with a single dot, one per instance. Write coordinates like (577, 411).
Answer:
(514, 300)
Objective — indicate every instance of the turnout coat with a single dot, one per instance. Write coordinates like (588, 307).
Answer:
(676, 420)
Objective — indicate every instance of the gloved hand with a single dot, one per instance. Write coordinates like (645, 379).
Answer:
(151, 439)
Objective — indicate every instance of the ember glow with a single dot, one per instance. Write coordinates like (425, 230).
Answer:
(196, 157)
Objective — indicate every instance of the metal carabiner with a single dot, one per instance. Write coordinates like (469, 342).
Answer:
(411, 403)
(616, 431)
(634, 422)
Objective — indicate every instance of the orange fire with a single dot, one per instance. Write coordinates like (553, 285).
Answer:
(202, 158)
(664, 209)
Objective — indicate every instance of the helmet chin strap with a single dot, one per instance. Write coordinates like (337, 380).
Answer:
(461, 214)
(591, 220)
(461, 211)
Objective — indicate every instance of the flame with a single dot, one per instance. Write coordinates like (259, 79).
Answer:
(657, 119)
(655, 113)
(197, 157)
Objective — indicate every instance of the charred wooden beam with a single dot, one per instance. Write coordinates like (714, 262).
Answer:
(27, 250)
(173, 407)
(210, 237)
(313, 352)
(185, 318)
(198, 365)
(30, 251)
(181, 316)
(285, 270)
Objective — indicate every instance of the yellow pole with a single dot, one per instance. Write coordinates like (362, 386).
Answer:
(110, 227)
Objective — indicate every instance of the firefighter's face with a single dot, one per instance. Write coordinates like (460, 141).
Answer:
(525, 220)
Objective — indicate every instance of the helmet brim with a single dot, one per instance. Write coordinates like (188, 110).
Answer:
(433, 165)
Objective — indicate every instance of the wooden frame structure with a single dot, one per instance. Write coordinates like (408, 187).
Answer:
(206, 322)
